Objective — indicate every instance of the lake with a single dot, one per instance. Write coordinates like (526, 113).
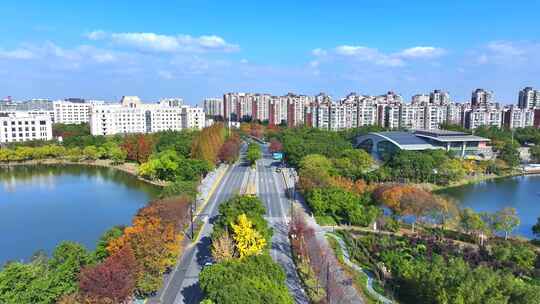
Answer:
(522, 193)
(40, 206)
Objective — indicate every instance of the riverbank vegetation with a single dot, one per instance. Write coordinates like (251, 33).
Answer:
(243, 270)
(425, 269)
(128, 261)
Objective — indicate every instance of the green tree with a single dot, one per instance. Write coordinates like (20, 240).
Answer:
(253, 153)
(506, 220)
(254, 279)
(509, 154)
(472, 223)
(101, 247)
(91, 152)
(536, 228)
(535, 153)
(353, 163)
(229, 211)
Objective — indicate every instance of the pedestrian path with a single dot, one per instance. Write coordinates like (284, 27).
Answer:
(369, 284)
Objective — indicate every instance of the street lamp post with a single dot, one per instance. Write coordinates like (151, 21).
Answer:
(191, 211)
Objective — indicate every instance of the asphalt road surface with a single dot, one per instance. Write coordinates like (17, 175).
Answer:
(182, 284)
(271, 190)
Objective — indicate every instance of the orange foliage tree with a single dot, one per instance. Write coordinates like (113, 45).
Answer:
(411, 200)
(207, 144)
(155, 239)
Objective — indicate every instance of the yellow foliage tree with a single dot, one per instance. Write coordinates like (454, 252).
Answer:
(248, 240)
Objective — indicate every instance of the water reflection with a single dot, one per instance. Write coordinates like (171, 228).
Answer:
(522, 193)
(44, 204)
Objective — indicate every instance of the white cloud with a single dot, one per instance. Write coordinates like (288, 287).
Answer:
(319, 52)
(96, 35)
(367, 54)
(422, 52)
(17, 54)
(166, 43)
(505, 48)
(376, 57)
(510, 53)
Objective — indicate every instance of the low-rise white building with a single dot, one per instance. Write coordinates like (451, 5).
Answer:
(133, 116)
(24, 126)
(68, 112)
(193, 118)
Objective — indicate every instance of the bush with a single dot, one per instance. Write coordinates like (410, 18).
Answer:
(254, 279)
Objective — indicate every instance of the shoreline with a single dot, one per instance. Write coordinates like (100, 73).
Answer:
(128, 168)
(476, 180)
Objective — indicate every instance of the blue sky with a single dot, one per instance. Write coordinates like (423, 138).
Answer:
(196, 49)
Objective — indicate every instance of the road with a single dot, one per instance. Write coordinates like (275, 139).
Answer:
(182, 284)
(271, 190)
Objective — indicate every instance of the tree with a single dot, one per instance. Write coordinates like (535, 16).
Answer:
(116, 154)
(230, 150)
(506, 220)
(223, 248)
(229, 211)
(253, 153)
(418, 203)
(138, 147)
(352, 163)
(179, 141)
(101, 247)
(315, 172)
(446, 209)
(253, 279)
(91, 153)
(535, 153)
(248, 240)
(536, 228)
(509, 154)
(275, 145)
(113, 279)
(472, 222)
(207, 144)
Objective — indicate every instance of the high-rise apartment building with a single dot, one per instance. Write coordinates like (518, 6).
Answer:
(515, 117)
(439, 97)
(529, 98)
(481, 98)
(213, 107)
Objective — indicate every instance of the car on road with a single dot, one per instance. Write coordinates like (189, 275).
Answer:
(278, 169)
(207, 264)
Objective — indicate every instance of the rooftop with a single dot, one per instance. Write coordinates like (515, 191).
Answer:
(405, 140)
(448, 136)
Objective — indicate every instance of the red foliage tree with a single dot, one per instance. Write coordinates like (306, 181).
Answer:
(113, 279)
(138, 147)
(229, 151)
(275, 145)
(257, 130)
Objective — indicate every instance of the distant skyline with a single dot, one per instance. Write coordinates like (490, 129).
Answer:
(196, 49)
